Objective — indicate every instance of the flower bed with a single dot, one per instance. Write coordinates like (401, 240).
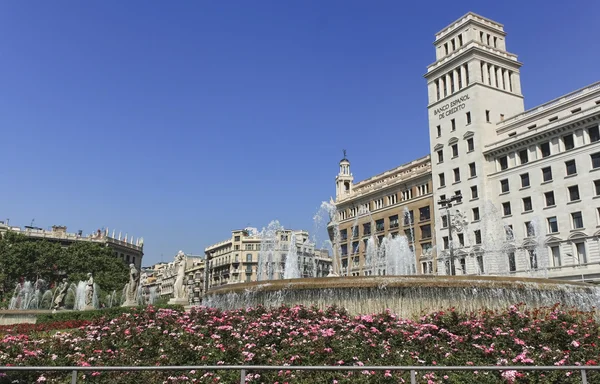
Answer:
(307, 336)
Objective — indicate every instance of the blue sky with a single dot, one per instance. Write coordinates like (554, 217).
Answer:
(179, 121)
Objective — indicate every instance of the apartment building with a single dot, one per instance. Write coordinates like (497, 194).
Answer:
(397, 202)
(236, 260)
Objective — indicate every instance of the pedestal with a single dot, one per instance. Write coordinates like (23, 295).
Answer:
(129, 304)
(183, 302)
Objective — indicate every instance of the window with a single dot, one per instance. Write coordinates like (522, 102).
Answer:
(547, 174)
(410, 218)
(529, 229)
(394, 221)
(379, 225)
(552, 225)
(454, 150)
(248, 258)
(555, 251)
(446, 242)
(503, 162)
(527, 205)
(453, 122)
(504, 186)
(533, 262)
(424, 213)
(474, 194)
(355, 231)
(571, 167)
(426, 231)
(577, 220)
(597, 187)
(366, 229)
(506, 208)
(237, 238)
(461, 239)
(553, 118)
(594, 133)
(444, 221)
(595, 160)
(476, 214)
(442, 180)
(573, 193)
(343, 234)
(525, 180)
(470, 145)
(472, 170)
(569, 142)
(468, 118)
(545, 149)
(524, 156)
(439, 130)
(440, 155)
(549, 199)
(508, 231)
(487, 116)
(581, 253)
(512, 262)
(477, 234)
(456, 175)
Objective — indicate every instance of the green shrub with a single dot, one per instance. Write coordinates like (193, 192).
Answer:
(105, 313)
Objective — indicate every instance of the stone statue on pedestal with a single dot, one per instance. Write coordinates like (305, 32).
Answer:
(89, 292)
(179, 291)
(131, 288)
(61, 294)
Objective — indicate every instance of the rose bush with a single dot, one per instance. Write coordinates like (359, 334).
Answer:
(308, 336)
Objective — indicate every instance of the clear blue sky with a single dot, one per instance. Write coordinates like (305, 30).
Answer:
(179, 121)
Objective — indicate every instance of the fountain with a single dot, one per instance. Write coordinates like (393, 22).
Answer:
(31, 295)
(389, 279)
(291, 270)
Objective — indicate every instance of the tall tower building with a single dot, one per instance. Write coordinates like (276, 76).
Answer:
(344, 179)
(473, 84)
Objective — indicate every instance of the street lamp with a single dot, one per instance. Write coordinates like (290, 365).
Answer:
(447, 203)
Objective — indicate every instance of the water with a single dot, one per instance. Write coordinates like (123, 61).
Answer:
(327, 214)
(31, 295)
(80, 294)
(269, 246)
(291, 270)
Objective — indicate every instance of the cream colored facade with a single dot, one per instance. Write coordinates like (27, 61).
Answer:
(235, 260)
(535, 172)
(166, 274)
(397, 202)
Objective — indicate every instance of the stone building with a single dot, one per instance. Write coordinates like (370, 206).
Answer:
(236, 259)
(395, 203)
(530, 179)
(130, 250)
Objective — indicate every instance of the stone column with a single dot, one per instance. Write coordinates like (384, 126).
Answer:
(484, 73)
(463, 75)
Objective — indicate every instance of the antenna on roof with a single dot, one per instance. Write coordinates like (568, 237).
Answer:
(32, 221)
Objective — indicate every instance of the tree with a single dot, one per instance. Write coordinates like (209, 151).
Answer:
(23, 258)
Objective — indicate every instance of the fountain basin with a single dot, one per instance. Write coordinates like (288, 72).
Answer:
(21, 316)
(407, 296)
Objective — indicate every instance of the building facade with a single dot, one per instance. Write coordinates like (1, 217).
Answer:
(130, 250)
(528, 179)
(236, 260)
(397, 202)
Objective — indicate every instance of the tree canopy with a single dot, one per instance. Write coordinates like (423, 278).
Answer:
(23, 258)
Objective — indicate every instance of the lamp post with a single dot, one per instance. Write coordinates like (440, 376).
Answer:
(447, 203)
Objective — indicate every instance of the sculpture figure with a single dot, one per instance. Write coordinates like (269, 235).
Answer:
(131, 288)
(59, 301)
(89, 292)
(178, 287)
